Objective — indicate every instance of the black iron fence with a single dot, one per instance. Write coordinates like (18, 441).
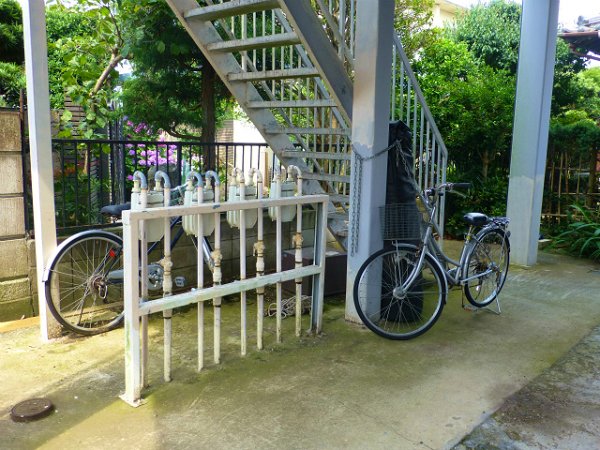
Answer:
(89, 174)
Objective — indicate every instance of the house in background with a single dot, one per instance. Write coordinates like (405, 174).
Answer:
(445, 11)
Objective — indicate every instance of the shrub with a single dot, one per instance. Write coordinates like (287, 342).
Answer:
(485, 196)
(582, 236)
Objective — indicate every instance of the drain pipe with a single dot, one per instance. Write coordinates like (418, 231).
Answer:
(199, 261)
(167, 265)
(259, 251)
(217, 275)
(297, 240)
(139, 193)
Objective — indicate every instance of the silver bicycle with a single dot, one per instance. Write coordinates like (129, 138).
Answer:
(400, 291)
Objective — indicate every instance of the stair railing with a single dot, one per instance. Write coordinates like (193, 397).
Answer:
(408, 104)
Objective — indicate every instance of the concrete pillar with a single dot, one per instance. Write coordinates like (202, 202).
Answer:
(535, 77)
(40, 143)
(371, 112)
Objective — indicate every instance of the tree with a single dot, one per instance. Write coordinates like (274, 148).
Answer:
(412, 21)
(492, 32)
(11, 32)
(11, 53)
(12, 80)
(576, 131)
(473, 106)
(89, 64)
(172, 87)
(61, 23)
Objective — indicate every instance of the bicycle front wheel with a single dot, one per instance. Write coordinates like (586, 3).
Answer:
(486, 267)
(84, 283)
(390, 308)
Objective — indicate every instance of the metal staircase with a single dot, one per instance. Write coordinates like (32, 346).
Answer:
(276, 77)
(289, 64)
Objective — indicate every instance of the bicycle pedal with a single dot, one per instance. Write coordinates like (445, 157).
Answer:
(470, 308)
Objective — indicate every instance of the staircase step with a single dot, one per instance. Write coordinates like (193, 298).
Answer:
(229, 9)
(339, 198)
(305, 72)
(316, 155)
(324, 103)
(309, 130)
(238, 45)
(326, 177)
(338, 223)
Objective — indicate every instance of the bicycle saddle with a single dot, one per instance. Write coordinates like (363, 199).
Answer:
(115, 210)
(476, 219)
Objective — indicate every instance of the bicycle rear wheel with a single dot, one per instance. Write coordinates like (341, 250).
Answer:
(486, 267)
(390, 309)
(84, 283)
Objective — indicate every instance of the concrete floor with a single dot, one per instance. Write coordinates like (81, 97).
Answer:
(345, 389)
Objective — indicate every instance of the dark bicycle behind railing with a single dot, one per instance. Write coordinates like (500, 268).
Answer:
(89, 174)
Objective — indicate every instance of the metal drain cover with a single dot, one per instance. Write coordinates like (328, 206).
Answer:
(32, 409)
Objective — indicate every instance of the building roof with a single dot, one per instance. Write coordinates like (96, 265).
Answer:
(585, 41)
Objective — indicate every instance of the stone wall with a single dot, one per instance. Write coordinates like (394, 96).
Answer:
(15, 250)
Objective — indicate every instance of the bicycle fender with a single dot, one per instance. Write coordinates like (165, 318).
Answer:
(68, 241)
(475, 240)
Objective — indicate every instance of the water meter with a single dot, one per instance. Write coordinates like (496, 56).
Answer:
(141, 198)
(282, 186)
(241, 189)
(192, 193)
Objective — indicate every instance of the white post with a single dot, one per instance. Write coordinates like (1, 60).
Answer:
(134, 378)
(370, 118)
(40, 142)
(535, 76)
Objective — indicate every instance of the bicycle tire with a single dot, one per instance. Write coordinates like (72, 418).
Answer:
(489, 256)
(80, 293)
(399, 316)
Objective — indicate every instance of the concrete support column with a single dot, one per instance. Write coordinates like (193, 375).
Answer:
(535, 77)
(42, 180)
(370, 118)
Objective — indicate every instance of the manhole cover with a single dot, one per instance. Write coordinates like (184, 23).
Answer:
(32, 409)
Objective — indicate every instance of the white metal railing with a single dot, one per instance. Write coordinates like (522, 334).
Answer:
(138, 307)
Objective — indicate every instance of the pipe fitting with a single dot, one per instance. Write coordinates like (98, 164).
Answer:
(139, 181)
(189, 180)
(166, 182)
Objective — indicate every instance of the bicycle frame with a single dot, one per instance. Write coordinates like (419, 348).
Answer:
(429, 246)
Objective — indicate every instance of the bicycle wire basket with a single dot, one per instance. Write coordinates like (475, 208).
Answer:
(402, 221)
